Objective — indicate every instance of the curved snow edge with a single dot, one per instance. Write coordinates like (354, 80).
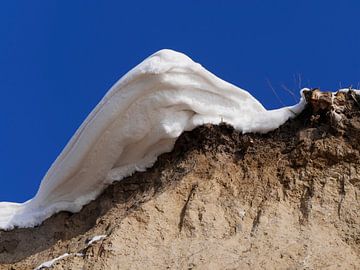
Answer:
(140, 118)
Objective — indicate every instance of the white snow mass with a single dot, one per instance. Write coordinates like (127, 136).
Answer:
(96, 238)
(140, 118)
(49, 264)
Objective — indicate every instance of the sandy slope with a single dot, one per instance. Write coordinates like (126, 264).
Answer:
(221, 200)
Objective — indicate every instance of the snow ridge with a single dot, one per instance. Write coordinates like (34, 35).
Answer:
(140, 118)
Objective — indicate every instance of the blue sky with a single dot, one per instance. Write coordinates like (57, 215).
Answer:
(58, 58)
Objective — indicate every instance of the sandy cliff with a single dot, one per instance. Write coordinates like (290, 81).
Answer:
(289, 199)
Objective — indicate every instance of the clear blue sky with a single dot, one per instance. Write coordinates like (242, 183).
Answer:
(58, 58)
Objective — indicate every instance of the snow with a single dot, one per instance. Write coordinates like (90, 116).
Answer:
(140, 118)
(49, 264)
(96, 239)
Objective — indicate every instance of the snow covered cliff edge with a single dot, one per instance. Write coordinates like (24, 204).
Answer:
(140, 118)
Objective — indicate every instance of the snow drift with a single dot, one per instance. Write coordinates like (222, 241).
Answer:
(140, 118)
